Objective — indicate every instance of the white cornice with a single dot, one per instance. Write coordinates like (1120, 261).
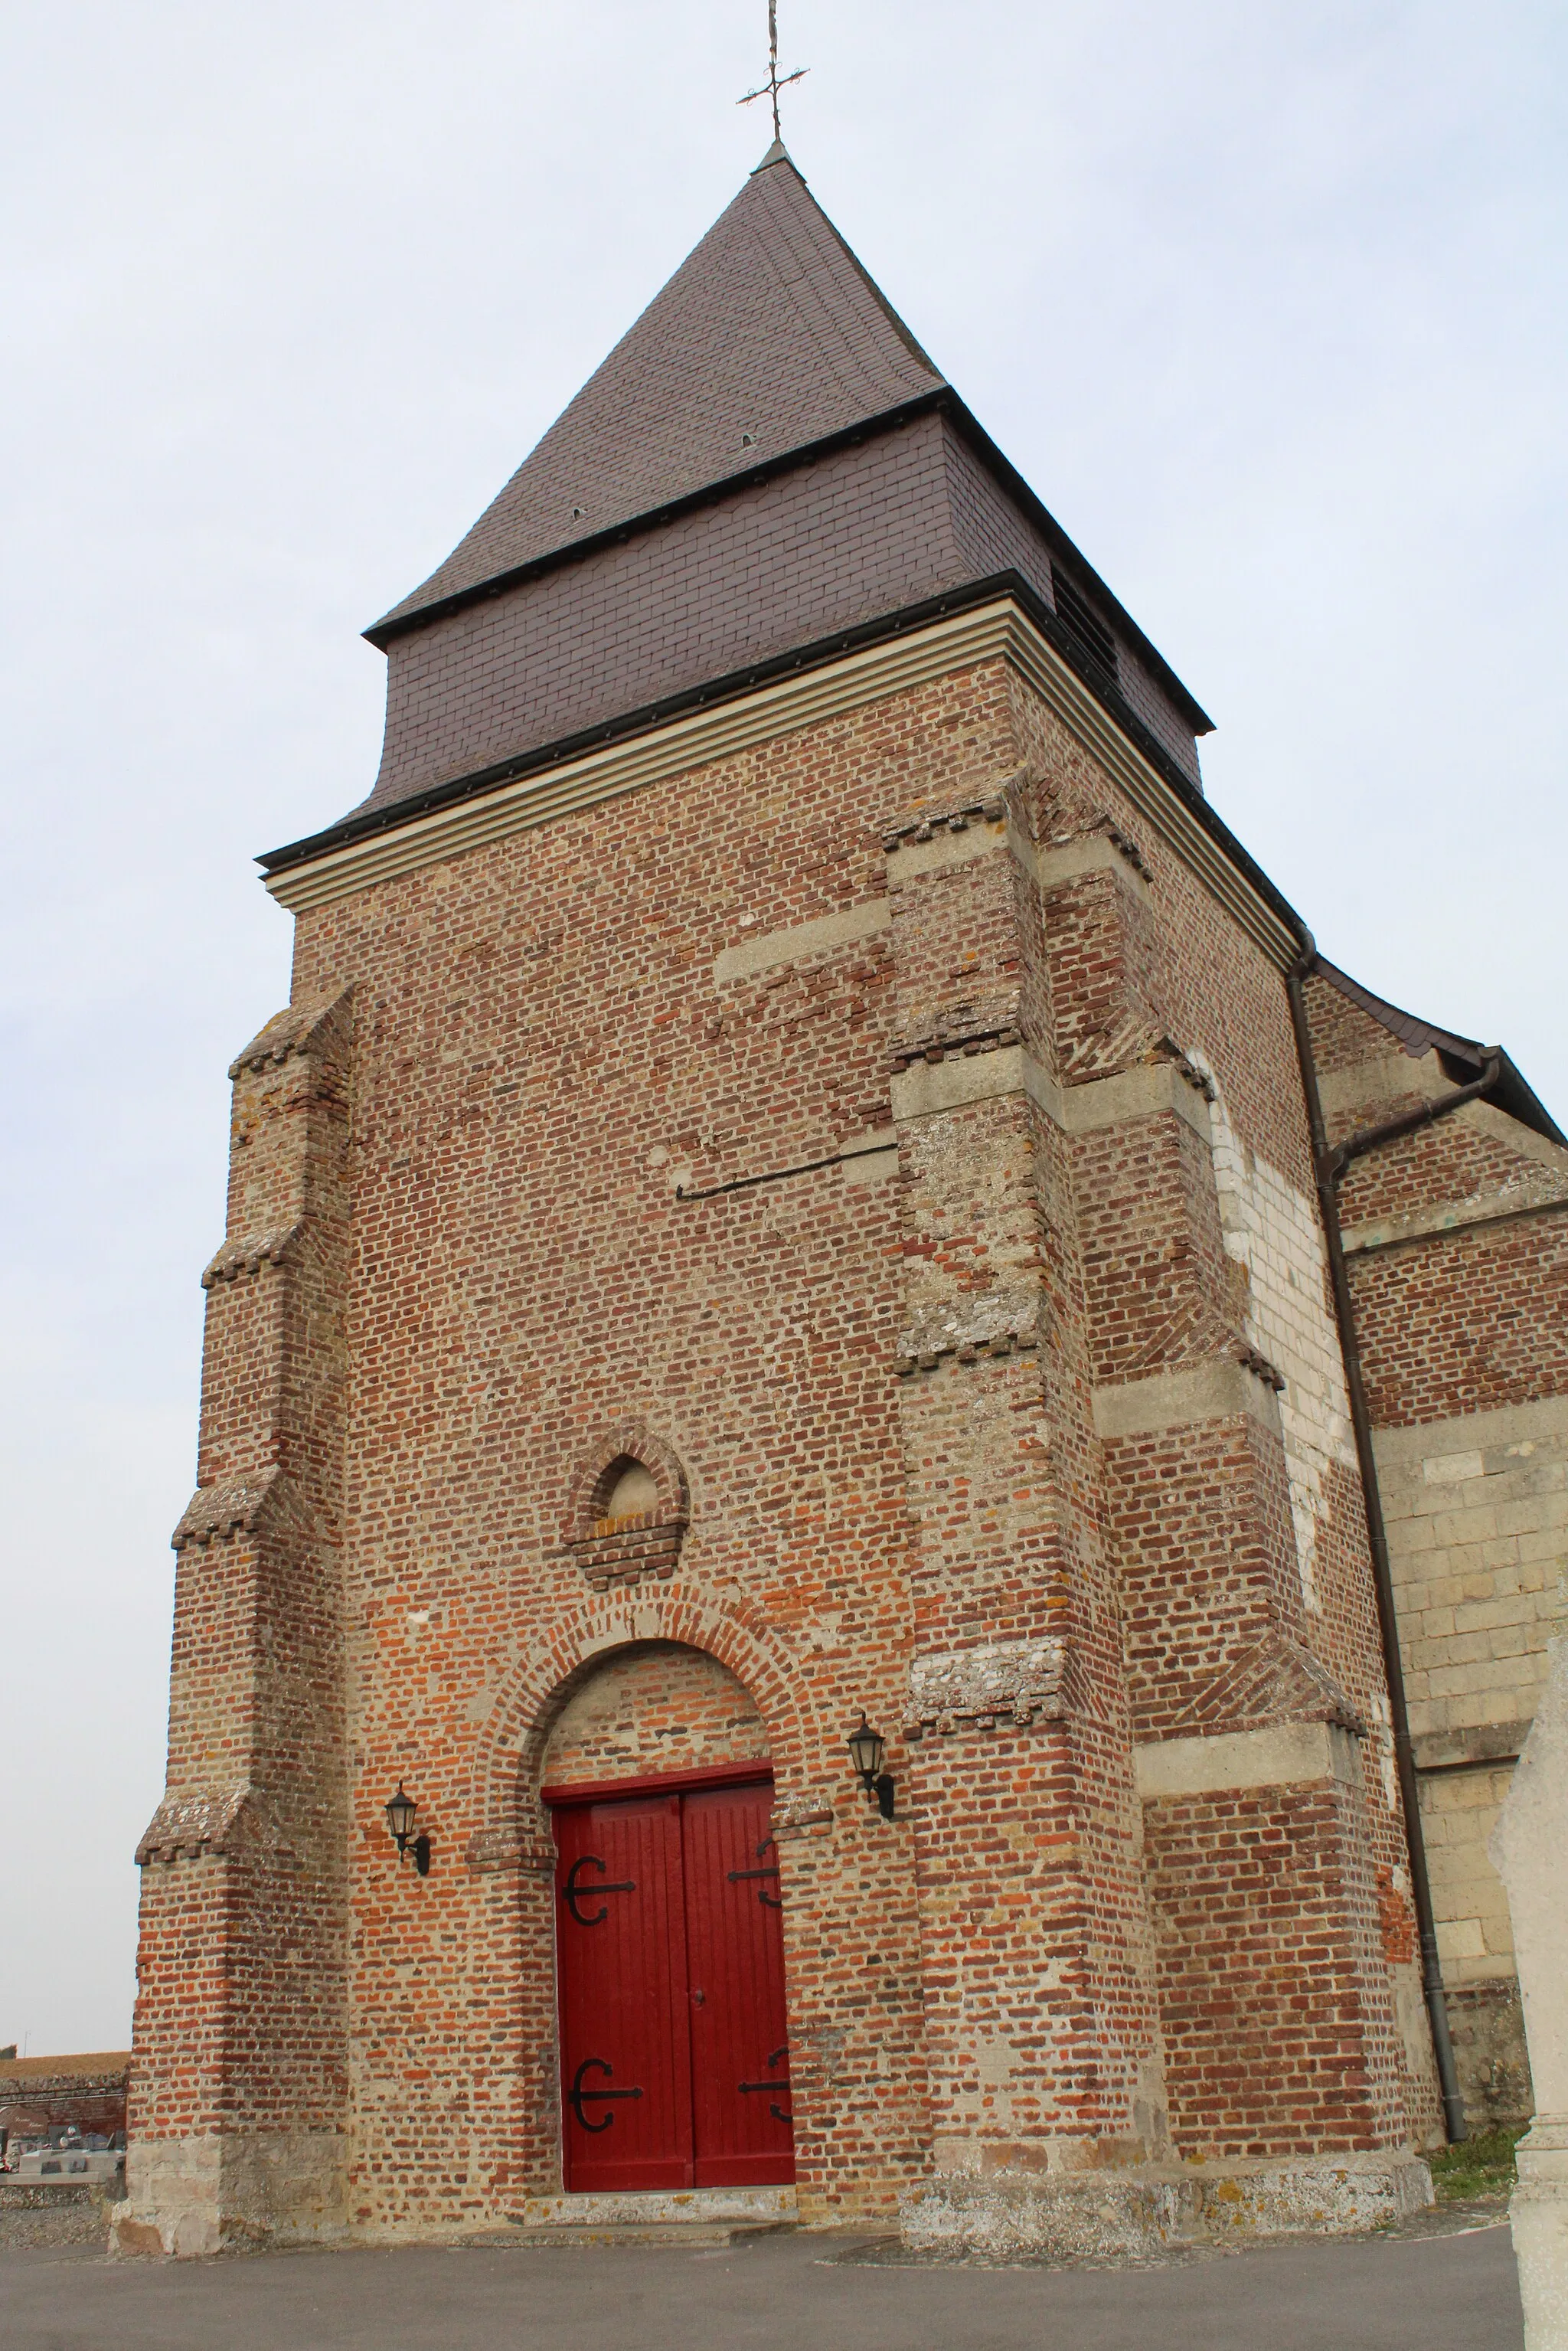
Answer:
(1000, 630)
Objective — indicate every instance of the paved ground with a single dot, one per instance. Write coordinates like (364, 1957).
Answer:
(1439, 2292)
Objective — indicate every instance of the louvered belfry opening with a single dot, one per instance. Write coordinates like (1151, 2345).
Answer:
(1086, 631)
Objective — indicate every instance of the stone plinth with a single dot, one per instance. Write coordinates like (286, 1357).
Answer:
(1100, 2215)
(1530, 1847)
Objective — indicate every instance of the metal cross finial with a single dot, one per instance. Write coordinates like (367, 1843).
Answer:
(773, 84)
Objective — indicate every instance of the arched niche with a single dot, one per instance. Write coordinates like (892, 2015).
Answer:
(629, 1510)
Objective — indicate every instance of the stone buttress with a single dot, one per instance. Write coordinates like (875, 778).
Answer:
(1039, 2003)
(1124, 1744)
(237, 2086)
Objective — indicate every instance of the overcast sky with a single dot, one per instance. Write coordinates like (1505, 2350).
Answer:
(1264, 299)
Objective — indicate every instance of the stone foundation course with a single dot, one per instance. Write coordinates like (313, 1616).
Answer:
(1126, 2215)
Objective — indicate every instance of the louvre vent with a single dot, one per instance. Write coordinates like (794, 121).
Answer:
(1089, 634)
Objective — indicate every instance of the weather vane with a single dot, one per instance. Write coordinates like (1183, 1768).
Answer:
(772, 86)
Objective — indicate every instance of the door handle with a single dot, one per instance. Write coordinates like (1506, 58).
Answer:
(700, 1999)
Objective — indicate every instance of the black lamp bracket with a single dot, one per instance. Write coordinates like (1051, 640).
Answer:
(420, 1847)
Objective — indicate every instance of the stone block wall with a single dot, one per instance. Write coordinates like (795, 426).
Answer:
(1478, 1523)
(1457, 1248)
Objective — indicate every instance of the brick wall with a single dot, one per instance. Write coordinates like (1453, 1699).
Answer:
(36, 2092)
(239, 2067)
(978, 1432)
(653, 1708)
(1247, 1884)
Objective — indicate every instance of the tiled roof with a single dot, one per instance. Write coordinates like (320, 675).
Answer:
(1465, 1058)
(767, 470)
(769, 329)
(1416, 1036)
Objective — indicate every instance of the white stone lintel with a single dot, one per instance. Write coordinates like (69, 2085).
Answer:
(1277, 1756)
(1175, 1399)
(928, 1088)
(846, 927)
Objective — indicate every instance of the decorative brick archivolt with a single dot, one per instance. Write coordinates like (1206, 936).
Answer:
(511, 1833)
(624, 1550)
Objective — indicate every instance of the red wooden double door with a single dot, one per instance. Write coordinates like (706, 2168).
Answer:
(674, 2057)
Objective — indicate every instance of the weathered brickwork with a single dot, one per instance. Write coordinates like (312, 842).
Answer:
(980, 1431)
(753, 1332)
(1458, 1256)
(810, 1211)
(1246, 1882)
(238, 2105)
(1211, 1502)
(631, 1510)
(653, 1708)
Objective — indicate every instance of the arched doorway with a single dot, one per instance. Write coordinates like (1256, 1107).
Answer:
(670, 1960)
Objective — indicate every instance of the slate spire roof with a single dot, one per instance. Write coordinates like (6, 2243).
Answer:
(770, 337)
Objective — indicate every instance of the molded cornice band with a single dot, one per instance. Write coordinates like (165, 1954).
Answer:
(1000, 630)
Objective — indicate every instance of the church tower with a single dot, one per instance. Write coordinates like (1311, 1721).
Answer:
(783, 1199)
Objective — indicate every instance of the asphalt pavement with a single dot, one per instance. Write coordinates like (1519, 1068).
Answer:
(1447, 2289)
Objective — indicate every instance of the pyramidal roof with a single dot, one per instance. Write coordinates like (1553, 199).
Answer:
(769, 336)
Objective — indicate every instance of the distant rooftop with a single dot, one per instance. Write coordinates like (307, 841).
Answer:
(49, 2069)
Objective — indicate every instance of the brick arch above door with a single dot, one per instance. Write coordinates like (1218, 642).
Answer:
(653, 1707)
(510, 1829)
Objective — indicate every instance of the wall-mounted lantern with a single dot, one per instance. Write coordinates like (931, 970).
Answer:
(401, 1811)
(867, 1749)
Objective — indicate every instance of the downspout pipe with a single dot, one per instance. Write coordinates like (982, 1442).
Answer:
(1328, 1167)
